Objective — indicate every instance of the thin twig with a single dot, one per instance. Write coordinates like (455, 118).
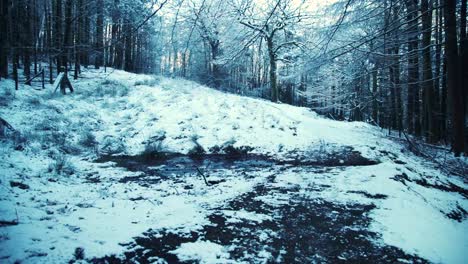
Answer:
(203, 175)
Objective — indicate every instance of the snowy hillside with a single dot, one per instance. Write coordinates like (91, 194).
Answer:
(117, 163)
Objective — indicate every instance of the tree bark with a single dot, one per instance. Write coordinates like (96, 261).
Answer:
(375, 105)
(68, 34)
(128, 66)
(113, 55)
(454, 86)
(26, 39)
(413, 113)
(273, 69)
(86, 36)
(215, 69)
(58, 34)
(427, 77)
(99, 58)
(464, 63)
(438, 73)
(4, 39)
(78, 37)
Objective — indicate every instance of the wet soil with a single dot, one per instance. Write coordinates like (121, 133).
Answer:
(303, 229)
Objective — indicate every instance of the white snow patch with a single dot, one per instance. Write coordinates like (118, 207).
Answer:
(240, 215)
(202, 251)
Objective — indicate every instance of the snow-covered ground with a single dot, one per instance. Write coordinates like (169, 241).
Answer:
(69, 201)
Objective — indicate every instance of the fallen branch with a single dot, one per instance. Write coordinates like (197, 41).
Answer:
(4, 123)
(443, 166)
(439, 147)
(203, 175)
(41, 73)
(175, 190)
(413, 147)
(10, 223)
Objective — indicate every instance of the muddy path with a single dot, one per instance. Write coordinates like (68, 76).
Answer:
(297, 228)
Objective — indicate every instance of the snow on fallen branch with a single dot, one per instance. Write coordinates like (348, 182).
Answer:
(10, 223)
(4, 124)
(415, 147)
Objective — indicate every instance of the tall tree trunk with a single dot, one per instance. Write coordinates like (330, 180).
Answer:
(35, 31)
(128, 66)
(99, 58)
(453, 81)
(427, 77)
(273, 68)
(119, 49)
(78, 38)
(26, 39)
(86, 35)
(68, 34)
(395, 66)
(14, 31)
(58, 34)
(464, 63)
(48, 38)
(375, 105)
(438, 74)
(113, 56)
(15, 67)
(444, 108)
(4, 39)
(215, 69)
(413, 114)
(397, 87)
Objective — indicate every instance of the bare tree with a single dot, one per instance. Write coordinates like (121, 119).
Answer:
(276, 19)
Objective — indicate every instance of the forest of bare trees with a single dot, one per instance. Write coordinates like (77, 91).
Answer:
(67, 35)
(398, 64)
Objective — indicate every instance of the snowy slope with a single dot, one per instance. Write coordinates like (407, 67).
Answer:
(185, 111)
(121, 113)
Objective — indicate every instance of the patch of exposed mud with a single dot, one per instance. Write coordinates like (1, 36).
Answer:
(338, 156)
(302, 230)
(161, 166)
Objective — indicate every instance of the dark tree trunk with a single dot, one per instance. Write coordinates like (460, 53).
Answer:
(438, 74)
(215, 69)
(453, 81)
(128, 47)
(398, 111)
(443, 103)
(48, 38)
(273, 69)
(464, 63)
(26, 39)
(86, 37)
(34, 32)
(15, 68)
(118, 57)
(413, 114)
(375, 105)
(396, 84)
(68, 34)
(58, 34)
(113, 55)
(78, 38)
(99, 58)
(427, 77)
(4, 38)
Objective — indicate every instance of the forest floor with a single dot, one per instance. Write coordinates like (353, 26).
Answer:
(137, 168)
